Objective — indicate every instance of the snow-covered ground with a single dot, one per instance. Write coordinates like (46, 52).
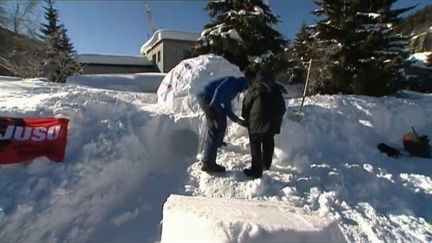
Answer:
(126, 155)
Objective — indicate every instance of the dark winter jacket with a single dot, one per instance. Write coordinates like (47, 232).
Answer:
(264, 107)
(221, 92)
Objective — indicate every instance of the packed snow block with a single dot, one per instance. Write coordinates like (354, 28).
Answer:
(171, 139)
(196, 219)
(136, 82)
(177, 90)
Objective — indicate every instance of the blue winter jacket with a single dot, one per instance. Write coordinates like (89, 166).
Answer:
(220, 92)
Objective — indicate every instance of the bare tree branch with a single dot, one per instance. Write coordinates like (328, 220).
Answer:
(32, 67)
(16, 20)
(3, 14)
(22, 17)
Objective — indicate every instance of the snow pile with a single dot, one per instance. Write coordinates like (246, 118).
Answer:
(138, 82)
(121, 164)
(242, 221)
(419, 59)
(177, 90)
(352, 122)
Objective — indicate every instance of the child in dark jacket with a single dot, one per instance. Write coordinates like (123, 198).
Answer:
(263, 110)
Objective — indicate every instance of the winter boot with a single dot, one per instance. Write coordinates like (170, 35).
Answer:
(252, 173)
(212, 168)
(267, 166)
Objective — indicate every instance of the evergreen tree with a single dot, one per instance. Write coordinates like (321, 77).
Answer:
(60, 61)
(299, 54)
(366, 54)
(65, 43)
(70, 66)
(243, 32)
(303, 43)
(51, 30)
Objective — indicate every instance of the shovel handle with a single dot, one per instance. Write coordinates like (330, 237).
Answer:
(414, 131)
(306, 85)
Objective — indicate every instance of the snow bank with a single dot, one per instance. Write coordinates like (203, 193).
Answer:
(138, 82)
(178, 88)
(352, 123)
(122, 162)
(197, 219)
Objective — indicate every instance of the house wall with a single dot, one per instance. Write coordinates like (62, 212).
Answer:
(156, 56)
(174, 52)
(107, 68)
(167, 53)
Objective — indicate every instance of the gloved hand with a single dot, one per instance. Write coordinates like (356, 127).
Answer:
(243, 123)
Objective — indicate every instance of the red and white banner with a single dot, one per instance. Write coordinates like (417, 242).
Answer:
(24, 139)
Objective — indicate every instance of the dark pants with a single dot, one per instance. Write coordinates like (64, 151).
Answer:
(262, 148)
(216, 127)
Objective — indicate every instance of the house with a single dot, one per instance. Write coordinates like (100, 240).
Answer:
(166, 48)
(104, 64)
(163, 51)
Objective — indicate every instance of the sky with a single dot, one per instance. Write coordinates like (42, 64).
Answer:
(121, 27)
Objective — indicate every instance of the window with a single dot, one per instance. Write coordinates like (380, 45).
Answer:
(158, 60)
(154, 58)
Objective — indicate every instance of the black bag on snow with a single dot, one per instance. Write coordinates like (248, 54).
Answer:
(416, 145)
(390, 151)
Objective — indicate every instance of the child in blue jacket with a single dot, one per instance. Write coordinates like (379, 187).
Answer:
(215, 100)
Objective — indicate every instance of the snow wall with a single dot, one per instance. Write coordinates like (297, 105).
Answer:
(137, 82)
